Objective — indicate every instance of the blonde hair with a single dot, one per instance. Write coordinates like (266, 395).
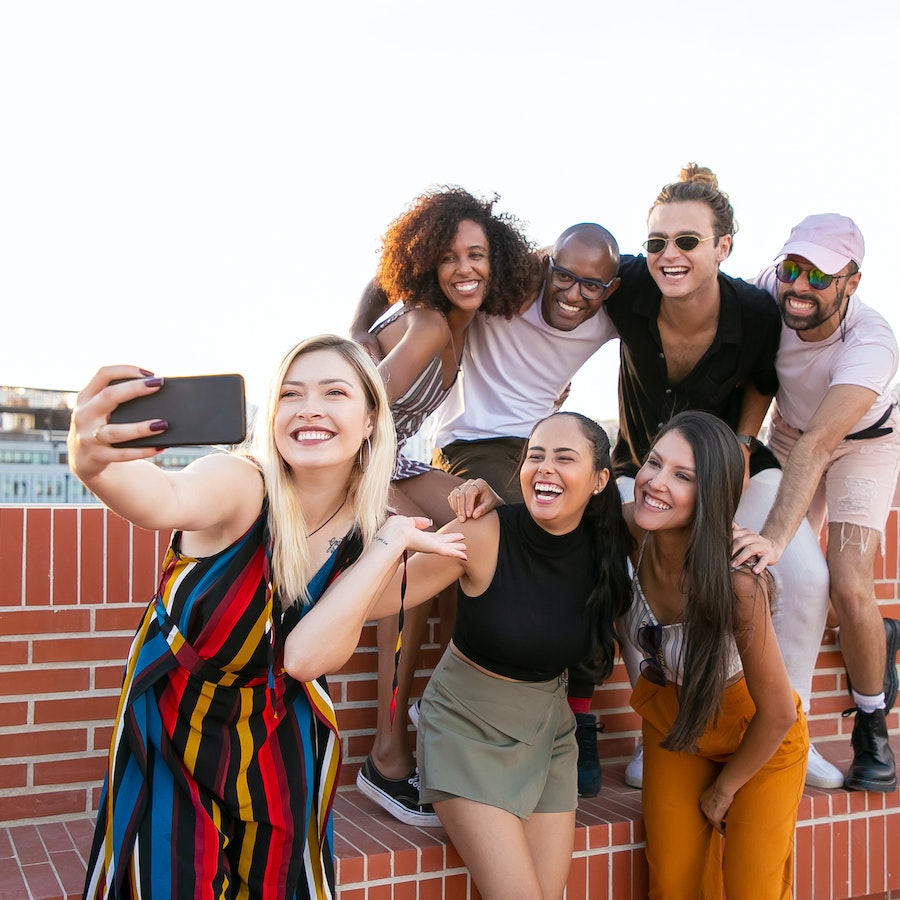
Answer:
(367, 487)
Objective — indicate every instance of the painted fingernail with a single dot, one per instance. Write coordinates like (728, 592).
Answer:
(145, 372)
(156, 381)
(159, 425)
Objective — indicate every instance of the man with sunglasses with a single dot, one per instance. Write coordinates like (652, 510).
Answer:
(694, 338)
(835, 430)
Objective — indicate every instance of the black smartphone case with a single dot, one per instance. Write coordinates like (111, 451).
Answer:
(200, 410)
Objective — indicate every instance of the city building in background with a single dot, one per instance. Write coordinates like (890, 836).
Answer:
(33, 458)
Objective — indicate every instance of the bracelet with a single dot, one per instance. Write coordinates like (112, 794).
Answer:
(750, 442)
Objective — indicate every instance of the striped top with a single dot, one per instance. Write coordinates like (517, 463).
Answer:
(418, 402)
(222, 769)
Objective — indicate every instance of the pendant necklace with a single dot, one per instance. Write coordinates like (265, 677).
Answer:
(311, 533)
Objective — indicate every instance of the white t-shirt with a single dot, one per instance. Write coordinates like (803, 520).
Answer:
(862, 352)
(513, 372)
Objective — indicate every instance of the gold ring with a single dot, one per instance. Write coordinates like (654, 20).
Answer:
(97, 433)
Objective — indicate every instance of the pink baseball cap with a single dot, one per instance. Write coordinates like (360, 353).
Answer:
(828, 240)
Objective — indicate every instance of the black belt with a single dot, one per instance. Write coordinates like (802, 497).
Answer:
(873, 431)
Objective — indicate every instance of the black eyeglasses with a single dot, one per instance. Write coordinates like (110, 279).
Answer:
(590, 288)
(653, 668)
(686, 242)
(787, 272)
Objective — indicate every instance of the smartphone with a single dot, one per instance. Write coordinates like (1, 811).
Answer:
(200, 409)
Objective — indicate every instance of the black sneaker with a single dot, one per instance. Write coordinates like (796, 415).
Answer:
(586, 728)
(398, 796)
(873, 767)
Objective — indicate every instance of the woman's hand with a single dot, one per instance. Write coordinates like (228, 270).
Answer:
(715, 803)
(91, 436)
(473, 498)
(408, 533)
(747, 544)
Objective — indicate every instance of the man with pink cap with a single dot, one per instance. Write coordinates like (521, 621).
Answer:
(835, 429)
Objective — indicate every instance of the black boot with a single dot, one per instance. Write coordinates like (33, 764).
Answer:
(892, 645)
(873, 767)
(586, 728)
(892, 640)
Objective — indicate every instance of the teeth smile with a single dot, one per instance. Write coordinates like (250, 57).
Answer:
(312, 435)
(675, 271)
(543, 487)
(567, 307)
(466, 287)
(656, 504)
(801, 305)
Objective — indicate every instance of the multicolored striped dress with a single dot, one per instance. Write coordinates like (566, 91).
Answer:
(418, 402)
(222, 769)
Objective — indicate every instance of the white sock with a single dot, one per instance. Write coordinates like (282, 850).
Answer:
(867, 703)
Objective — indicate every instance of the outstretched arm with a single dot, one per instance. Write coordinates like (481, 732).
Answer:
(207, 495)
(844, 405)
(325, 638)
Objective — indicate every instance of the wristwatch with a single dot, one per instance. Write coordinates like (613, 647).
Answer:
(748, 440)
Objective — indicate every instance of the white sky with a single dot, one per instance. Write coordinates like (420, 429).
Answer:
(192, 187)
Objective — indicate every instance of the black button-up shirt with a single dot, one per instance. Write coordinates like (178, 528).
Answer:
(742, 352)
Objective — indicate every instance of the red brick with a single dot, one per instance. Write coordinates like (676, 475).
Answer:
(108, 678)
(42, 742)
(15, 713)
(69, 771)
(37, 621)
(47, 803)
(144, 563)
(65, 556)
(12, 542)
(37, 557)
(81, 649)
(44, 681)
(84, 709)
(124, 618)
(358, 690)
(93, 566)
(13, 776)
(13, 653)
(361, 662)
(118, 559)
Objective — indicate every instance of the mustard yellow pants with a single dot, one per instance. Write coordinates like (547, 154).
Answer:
(687, 857)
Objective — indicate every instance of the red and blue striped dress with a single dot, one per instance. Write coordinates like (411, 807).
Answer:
(222, 769)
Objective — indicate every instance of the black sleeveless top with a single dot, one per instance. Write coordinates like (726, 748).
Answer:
(531, 623)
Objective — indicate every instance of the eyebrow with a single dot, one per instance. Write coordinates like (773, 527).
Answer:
(322, 381)
(661, 458)
(663, 234)
(555, 449)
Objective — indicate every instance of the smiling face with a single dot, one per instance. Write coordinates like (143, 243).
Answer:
(565, 308)
(665, 488)
(464, 270)
(680, 273)
(323, 414)
(814, 314)
(558, 477)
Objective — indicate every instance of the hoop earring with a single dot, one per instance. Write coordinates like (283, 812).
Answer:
(362, 461)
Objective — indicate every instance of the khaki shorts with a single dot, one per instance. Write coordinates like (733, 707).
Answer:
(509, 744)
(496, 460)
(858, 484)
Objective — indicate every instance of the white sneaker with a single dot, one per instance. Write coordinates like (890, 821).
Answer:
(634, 771)
(820, 773)
(413, 713)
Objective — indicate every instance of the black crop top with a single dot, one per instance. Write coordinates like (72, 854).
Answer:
(530, 624)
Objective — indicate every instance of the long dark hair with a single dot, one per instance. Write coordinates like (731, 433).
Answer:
(612, 543)
(707, 577)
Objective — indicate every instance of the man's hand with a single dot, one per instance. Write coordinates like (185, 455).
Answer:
(747, 544)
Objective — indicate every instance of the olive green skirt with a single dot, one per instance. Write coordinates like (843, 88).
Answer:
(509, 744)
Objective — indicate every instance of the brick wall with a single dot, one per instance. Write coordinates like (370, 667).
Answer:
(73, 584)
